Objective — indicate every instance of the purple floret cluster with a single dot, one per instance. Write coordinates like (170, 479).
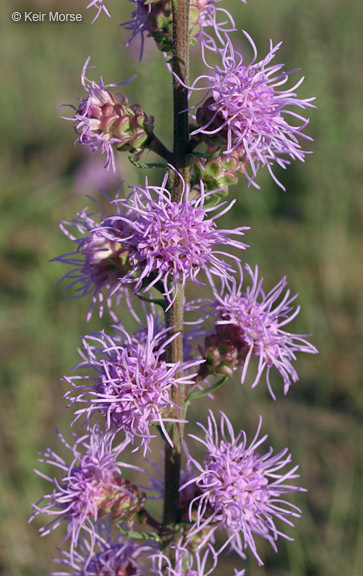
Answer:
(88, 487)
(238, 489)
(110, 556)
(245, 110)
(133, 383)
(254, 321)
(148, 240)
(188, 313)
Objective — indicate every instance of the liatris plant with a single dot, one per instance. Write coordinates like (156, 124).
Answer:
(131, 388)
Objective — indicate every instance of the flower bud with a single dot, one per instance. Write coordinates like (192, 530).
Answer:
(220, 172)
(157, 20)
(161, 24)
(208, 115)
(105, 121)
(224, 351)
(106, 256)
(195, 17)
(121, 500)
(111, 118)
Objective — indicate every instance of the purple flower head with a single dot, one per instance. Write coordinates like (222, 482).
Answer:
(110, 557)
(173, 241)
(91, 487)
(240, 490)
(186, 562)
(100, 262)
(245, 110)
(133, 385)
(254, 322)
(100, 7)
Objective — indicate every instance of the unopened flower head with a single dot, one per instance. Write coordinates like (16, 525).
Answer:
(100, 262)
(105, 121)
(224, 352)
(245, 110)
(133, 385)
(173, 241)
(110, 557)
(155, 19)
(151, 19)
(241, 490)
(217, 170)
(253, 322)
(89, 488)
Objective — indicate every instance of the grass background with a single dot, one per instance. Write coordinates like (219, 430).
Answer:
(311, 233)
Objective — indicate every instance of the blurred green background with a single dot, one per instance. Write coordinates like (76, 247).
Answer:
(311, 233)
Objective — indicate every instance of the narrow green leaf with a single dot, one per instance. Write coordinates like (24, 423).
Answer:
(140, 535)
(159, 302)
(203, 155)
(146, 166)
(200, 393)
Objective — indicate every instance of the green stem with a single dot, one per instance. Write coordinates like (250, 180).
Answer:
(174, 316)
(180, 65)
(174, 321)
